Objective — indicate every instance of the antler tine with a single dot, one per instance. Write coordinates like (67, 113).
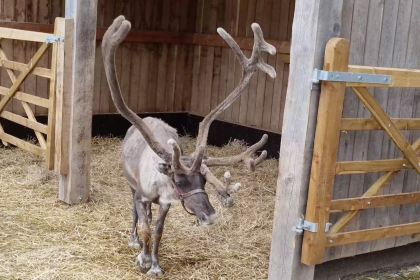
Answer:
(177, 165)
(222, 191)
(249, 66)
(231, 188)
(246, 157)
(113, 37)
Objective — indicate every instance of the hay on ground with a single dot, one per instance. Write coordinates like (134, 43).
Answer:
(43, 238)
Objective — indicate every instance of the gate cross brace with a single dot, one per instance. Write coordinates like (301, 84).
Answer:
(17, 82)
(385, 122)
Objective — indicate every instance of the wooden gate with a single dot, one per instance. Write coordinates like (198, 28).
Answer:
(325, 166)
(46, 145)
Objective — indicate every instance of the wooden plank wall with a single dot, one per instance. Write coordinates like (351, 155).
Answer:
(381, 33)
(174, 78)
(153, 77)
(216, 72)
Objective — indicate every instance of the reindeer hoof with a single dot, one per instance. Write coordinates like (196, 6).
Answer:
(134, 242)
(155, 272)
(144, 262)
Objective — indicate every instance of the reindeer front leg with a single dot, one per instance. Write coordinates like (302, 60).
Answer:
(144, 260)
(156, 270)
(134, 238)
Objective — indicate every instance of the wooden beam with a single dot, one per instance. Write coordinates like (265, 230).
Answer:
(146, 36)
(59, 30)
(75, 186)
(315, 22)
(23, 144)
(385, 122)
(39, 71)
(400, 77)
(350, 124)
(24, 35)
(63, 104)
(371, 234)
(36, 100)
(24, 121)
(360, 203)
(353, 167)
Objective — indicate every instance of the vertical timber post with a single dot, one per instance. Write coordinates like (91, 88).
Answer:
(75, 186)
(314, 23)
(327, 138)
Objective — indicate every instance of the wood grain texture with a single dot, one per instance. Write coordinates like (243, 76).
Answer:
(63, 95)
(150, 36)
(168, 38)
(372, 234)
(326, 143)
(349, 124)
(374, 201)
(298, 133)
(356, 143)
(75, 186)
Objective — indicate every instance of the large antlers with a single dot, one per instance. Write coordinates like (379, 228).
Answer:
(116, 34)
(249, 66)
(113, 37)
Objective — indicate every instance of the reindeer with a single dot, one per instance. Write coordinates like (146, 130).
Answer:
(153, 160)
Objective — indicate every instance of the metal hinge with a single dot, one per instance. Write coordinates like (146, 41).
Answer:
(321, 75)
(53, 39)
(302, 225)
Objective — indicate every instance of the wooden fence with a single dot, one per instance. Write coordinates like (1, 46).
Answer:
(174, 61)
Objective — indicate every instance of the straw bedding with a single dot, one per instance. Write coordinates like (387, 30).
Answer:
(43, 238)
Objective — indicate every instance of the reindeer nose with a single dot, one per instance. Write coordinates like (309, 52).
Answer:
(208, 220)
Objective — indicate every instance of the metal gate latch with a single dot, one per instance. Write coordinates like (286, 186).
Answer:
(302, 225)
(321, 75)
(53, 39)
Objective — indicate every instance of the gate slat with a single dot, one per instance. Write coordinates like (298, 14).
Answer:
(36, 100)
(23, 144)
(24, 121)
(372, 234)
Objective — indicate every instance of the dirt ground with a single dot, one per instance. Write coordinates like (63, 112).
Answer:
(409, 273)
(43, 238)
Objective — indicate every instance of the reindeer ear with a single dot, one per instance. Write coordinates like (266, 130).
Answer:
(165, 169)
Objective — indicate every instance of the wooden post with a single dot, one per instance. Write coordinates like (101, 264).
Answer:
(327, 138)
(75, 186)
(63, 104)
(315, 22)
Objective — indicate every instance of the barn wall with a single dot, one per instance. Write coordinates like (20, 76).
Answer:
(157, 77)
(153, 77)
(216, 72)
(382, 33)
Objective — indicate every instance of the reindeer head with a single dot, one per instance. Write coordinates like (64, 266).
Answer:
(189, 173)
